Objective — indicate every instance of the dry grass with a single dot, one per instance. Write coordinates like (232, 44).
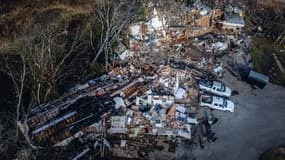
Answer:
(277, 5)
(22, 16)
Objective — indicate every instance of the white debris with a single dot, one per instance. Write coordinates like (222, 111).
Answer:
(119, 102)
(135, 30)
(123, 143)
(126, 54)
(179, 94)
(156, 22)
(192, 120)
(220, 46)
(180, 108)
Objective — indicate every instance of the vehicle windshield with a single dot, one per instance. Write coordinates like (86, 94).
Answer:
(207, 83)
(225, 103)
(223, 87)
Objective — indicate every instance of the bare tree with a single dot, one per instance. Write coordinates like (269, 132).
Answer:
(34, 66)
(43, 60)
(9, 65)
(18, 80)
(113, 16)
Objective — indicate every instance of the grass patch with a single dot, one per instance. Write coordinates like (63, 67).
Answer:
(261, 53)
(23, 15)
(263, 61)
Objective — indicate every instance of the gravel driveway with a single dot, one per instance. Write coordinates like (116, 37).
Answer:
(257, 124)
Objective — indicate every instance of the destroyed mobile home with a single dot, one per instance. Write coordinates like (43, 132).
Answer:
(150, 100)
(158, 106)
(149, 95)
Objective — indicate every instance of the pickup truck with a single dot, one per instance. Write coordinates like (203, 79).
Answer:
(215, 102)
(215, 87)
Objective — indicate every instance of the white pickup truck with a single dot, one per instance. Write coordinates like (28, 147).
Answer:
(215, 102)
(215, 87)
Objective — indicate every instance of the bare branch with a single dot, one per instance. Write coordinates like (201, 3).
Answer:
(113, 16)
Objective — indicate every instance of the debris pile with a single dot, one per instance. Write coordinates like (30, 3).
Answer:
(155, 101)
(166, 72)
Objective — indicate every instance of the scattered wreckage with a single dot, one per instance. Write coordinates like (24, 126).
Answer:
(150, 101)
(147, 99)
(124, 101)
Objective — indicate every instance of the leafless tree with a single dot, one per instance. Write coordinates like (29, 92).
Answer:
(34, 66)
(18, 80)
(113, 15)
(43, 60)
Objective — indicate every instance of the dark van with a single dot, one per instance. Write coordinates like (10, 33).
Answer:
(257, 79)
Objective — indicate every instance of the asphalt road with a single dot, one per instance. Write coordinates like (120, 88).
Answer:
(257, 124)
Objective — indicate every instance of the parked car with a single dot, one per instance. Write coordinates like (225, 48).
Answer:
(253, 78)
(216, 103)
(215, 87)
